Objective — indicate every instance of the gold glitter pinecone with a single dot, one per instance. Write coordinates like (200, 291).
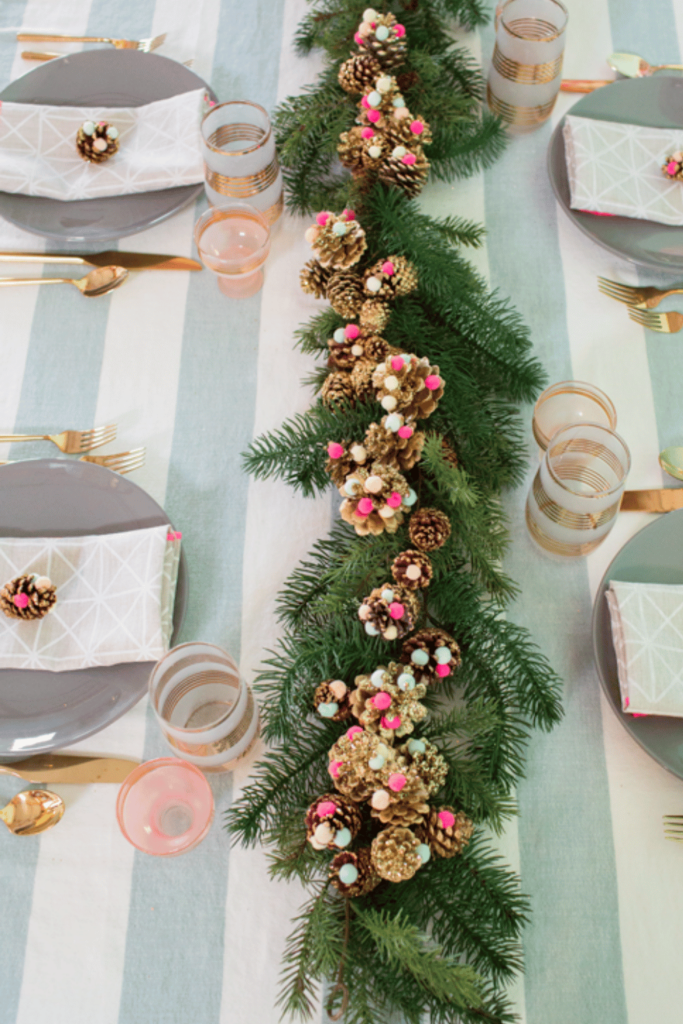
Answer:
(28, 597)
(394, 854)
(367, 878)
(361, 378)
(429, 764)
(412, 569)
(313, 279)
(350, 767)
(429, 529)
(445, 841)
(404, 703)
(340, 251)
(353, 458)
(358, 72)
(350, 148)
(337, 388)
(88, 143)
(389, 53)
(374, 612)
(409, 807)
(345, 293)
(380, 485)
(414, 389)
(401, 281)
(328, 695)
(428, 642)
(409, 178)
(374, 315)
(400, 132)
(388, 447)
(346, 815)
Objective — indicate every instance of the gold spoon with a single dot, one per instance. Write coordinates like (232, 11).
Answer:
(98, 282)
(632, 66)
(671, 461)
(32, 811)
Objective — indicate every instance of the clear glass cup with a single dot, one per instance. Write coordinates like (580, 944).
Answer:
(574, 499)
(165, 807)
(207, 713)
(569, 402)
(526, 68)
(234, 241)
(240, 161)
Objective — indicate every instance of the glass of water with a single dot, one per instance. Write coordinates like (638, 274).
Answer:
(207, 713)
(234, 241)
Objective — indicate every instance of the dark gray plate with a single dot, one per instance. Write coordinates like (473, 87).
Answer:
(41, 711)
(117, 78)
(658, 102)
(652, 556)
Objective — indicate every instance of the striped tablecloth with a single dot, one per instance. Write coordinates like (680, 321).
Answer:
(95, 933)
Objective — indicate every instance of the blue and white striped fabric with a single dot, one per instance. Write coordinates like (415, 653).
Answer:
(95, 933)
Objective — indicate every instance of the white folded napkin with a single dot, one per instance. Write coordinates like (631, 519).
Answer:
(159, 147)
(647, 628)
(115, 597)
(616, 168)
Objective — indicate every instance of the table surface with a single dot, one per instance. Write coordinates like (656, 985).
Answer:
(96, 933)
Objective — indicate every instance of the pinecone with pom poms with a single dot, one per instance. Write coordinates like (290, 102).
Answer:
(361, 378)
(402, 449)
(353, 874)
(433, 654)
(374, 499)
(427, 762)
(374, 315)
(408, 385)
(313, 279)
(350, 763)
(408, 173)
(407, 132)
(337, 388)
(388, 701)
(412, 569)
(332, 821)
(446, 832)
(358, 72)
(390, 279)
(385, 40)
(407, 807)
(332, 700)
(97, 141)
(350, 148)
(342, 464)
(28, 597)
(339, 242)
(429, 529)
(394, 854)
(345, 293)
(389, 611)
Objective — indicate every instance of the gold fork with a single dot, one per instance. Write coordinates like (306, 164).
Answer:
(641, 298)
(44, 55)
(72, 442)
(673, 827)
(120, 462)
(146, 45)
(665, 323)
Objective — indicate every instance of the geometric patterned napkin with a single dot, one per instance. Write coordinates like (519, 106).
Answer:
(115, 596)
(647, 628)
(616, 168)
(159, 147)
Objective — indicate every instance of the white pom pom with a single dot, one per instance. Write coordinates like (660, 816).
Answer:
(380, 800)
(391, 382)
(386, 512)
(374, 484)
(390, 633)
(375, 152)
(389, 403)
(358, 453)
(370, 14)
(383, 84)
(312, 233)
(373, 284)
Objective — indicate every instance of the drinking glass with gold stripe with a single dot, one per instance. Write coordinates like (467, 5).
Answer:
(574, 499)
(526, 69)
(240, 161)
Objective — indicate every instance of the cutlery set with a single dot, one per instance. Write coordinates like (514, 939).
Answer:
(642, 302)
(628, 65)
(112, 268)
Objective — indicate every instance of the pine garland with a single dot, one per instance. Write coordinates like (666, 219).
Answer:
(445, 943)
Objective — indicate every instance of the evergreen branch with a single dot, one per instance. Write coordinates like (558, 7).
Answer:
(311, 954)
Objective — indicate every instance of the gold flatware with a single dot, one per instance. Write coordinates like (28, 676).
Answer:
(578, 84)
(146, 45)
(68, 768)
(44, 55)
(632, 295)
(630, 65)
(657, 499)
(119, 462)
(673, 827)
(129, 260)
(671, 461)
(72, 442)
(665, 323)
(33, 811)
(97, 282)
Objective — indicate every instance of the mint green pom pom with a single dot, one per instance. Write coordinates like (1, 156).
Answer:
(348, 874)
(342, 838)
(416, 746)
(424, 853)
(443, 655)
(382, 33)
(339, 228)
(419, 657)
(377, 762)
(328, 710)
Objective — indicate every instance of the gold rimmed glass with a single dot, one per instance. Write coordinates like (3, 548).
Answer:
(570, 402)
(234, 241)
(526, 69)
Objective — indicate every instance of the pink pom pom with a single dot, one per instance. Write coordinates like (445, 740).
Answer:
(365, 507)
(394, 500)
(671, 167)
(400, 31)
(350, 214)
(417, 127)
(20, 600)
(405, 431)
(334, 767)
(355, 730)
(388, 268)
(374, 116)
(447, 819)
(390, 723)
(396, 363)
(382, 701)
(443, 670)
(397, 782)
(326, 809)
(364, 103)
(351, 331)
(367, 133)
(322, 218)
(335, 450)
(396, 610)
(359, 39)
(433, 382)
(409, 159)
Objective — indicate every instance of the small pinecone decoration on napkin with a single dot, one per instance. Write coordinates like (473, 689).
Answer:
(407, 806)
(96, 142)
(408, 172)
(445, 831)
(381, 36)
(28, 597)
(389, 611)
(374, 315)
(432, 653)
(345, 293)
(390, 279)
(314, 278)
(353, 874)
(339, 242)
(672, 167)
(350, 148)
(337, 388)
(332, 821)
(429, 764)
(402, 448)
(394, 854)
(412, 569)
(358, 72)
(429, 529)
(332, 700)
(344, 459)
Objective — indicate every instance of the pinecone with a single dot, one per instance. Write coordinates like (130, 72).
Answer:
(408, 173)
(428, 763)
(408, 385)
(96, 142)
(445, 831)
(409, 132)
(353, 456)
(429, 529)
(388, 701)
(394, 854)
(407, 79)
(389, 51)
(361, 378)
(350, 148)
(345, 293)
(390, 279)
(337, 388)
(401, 448)
(359, 882)
(350, 760)
(672, 168)
(405, 807)
(332, 821)
(374, 315)
(28, 597)
(389, 611)
(432, 653)
(358, 72)
(374, 499)
(339, 242)
(448, 454)
(313, 279)
(332, 700)
(412, 569)
(342, 354)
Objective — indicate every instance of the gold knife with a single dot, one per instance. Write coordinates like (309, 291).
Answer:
(129, 260)
(658, 499)
(68, 768)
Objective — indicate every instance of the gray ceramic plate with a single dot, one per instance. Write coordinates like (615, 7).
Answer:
(114, 78)
(41, 711)
(657, 102)
(652, 556)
